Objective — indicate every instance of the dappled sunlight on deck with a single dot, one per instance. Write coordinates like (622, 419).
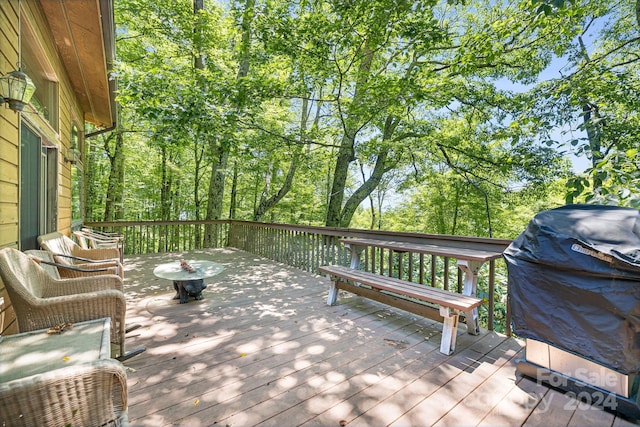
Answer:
(263, 348)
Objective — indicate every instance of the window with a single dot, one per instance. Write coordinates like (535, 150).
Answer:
(45, 100)
(35, 64)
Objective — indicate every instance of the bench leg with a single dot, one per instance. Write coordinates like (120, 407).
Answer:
(449, 330)
(356, 251)
(333, 293)
(355, 255)
(470, 270)
(473, 327)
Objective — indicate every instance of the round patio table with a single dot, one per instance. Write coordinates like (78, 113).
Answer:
(188, 283)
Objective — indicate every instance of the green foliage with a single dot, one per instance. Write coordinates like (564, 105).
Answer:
(408, 100)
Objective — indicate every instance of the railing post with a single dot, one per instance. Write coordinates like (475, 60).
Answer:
(491, 308)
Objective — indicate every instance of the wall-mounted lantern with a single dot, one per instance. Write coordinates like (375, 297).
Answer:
(71, 155)
(16, 89)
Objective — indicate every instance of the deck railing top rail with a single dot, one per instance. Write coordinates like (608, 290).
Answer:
(486, 243)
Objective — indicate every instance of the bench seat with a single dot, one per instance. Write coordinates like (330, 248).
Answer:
(373, 286)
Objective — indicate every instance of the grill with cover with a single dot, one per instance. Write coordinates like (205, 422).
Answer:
(574, 294)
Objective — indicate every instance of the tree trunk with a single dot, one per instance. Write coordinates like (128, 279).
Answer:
(220, 149)
(114, 202)
(199, 59)
(391, 123)
(364, 190)
(165, 186)
(267, 203)
(346, 152)
(372, 206)
(198, 153)
(90, 168)
(198, 64)
(220, 152)
(591, 119)
(340, 173)
(234, 190)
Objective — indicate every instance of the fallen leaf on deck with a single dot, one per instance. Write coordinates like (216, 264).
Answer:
(397, 343)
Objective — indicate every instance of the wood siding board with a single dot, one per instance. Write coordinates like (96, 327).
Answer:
(9, 213)
(8, 34)
(8, 193)
(8, 172)
(8, 235)
(9, 126)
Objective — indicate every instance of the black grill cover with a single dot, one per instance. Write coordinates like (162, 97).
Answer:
(574, 282)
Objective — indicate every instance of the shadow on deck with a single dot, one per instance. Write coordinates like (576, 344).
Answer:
(263, 348)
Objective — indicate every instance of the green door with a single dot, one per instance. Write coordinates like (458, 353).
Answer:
(30, 152)
(38, 188)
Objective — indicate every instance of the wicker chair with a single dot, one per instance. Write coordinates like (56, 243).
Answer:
(40, 301)
(90, 394)
(66, 251)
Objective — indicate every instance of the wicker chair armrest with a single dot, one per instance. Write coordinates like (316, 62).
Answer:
(114, 266)
(81, 285)
(69, 302)
(74, 258)
(93, 393)
(47, 312)
(77, 271)
(72, 272)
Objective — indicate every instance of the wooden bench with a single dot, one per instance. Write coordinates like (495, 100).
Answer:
(470, 258)
(404, 295)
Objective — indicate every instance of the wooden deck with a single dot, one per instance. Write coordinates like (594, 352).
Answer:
(263, 348)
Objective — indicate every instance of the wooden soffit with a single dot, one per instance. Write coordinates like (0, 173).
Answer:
(83, 32)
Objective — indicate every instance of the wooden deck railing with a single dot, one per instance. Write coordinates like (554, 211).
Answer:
(308, 247)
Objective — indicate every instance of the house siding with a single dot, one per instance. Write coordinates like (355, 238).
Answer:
(69, 113)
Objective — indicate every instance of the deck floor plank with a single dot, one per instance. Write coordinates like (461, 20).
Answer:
(252, 388)
(554, 408)
(516, 406)
(479, 402)
(319, 376)
(379, 404)
(263, 349)
(458, 386)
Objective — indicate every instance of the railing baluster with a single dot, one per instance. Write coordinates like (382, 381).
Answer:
(433, 271)
(491, 309)
(445, 276)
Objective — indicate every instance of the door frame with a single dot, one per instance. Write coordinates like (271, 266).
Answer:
(39, 194)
